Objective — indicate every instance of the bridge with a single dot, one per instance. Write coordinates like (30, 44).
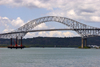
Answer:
(82, 29)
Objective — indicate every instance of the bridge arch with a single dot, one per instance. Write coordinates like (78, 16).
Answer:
(66, 21)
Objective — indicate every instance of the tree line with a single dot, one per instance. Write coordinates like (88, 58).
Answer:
(52, 41)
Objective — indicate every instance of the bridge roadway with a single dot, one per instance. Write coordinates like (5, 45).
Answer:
(46, 30)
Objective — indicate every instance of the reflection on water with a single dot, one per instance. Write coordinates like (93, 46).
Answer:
(49, 57)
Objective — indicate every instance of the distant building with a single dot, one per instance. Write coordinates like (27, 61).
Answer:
(93, 46)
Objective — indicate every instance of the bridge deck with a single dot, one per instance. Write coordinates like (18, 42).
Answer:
(45, 30)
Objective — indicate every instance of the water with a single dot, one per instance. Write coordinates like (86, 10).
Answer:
(49, 57)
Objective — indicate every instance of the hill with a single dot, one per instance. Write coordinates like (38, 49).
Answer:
(53, 41)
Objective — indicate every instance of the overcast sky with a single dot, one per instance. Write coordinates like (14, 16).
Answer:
(15, 13)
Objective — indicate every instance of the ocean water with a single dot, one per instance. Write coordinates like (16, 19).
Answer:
(49, 57)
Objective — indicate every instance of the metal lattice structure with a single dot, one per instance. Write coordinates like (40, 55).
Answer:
(82, 29)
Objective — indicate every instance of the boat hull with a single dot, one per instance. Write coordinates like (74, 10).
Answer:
(16, 47)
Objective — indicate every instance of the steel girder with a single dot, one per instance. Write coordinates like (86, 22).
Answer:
(66, 21)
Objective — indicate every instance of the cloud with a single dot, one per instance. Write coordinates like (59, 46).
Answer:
(75, 9)
(7, 30)
(79, 10)
(8, 25)
(17, 22)
(27, 3)
(41, 26)
(95, 18)
(51, 34)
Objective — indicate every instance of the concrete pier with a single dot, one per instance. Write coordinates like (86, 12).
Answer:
(82, 43)
(85, 42)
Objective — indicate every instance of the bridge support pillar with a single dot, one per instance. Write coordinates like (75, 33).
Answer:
(82, 43)
(21, 41)
(85, 42)
(16, 41)
(11, 42)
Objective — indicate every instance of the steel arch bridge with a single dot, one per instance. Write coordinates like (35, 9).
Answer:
(82, 29)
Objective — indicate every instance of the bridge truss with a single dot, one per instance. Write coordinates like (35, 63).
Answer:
(82, 29)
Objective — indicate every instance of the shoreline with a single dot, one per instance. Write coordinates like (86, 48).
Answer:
(3, 47)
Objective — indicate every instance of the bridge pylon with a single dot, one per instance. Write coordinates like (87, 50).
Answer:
(85, 42)
(82, 43)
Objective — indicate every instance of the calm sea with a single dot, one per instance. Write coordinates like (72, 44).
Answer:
(49, 57)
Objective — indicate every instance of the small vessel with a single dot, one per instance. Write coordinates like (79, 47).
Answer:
(14, 46)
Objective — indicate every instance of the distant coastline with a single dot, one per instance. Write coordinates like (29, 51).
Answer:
(65, 42)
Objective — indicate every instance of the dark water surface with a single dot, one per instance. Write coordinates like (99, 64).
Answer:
(49, 57)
